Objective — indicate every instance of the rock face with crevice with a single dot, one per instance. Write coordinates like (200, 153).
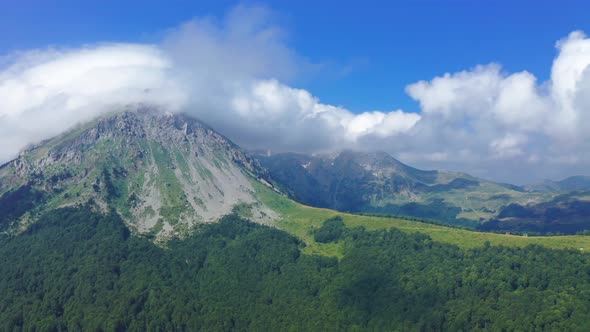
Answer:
(163, 173)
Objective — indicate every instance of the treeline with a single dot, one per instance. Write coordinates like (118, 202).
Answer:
(79, 270)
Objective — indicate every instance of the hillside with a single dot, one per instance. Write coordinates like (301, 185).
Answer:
(300, 221)
(571, 183)
(81, 270)
(163, 173)
(378, 183)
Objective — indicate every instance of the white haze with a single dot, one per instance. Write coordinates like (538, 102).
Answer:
(231, 72)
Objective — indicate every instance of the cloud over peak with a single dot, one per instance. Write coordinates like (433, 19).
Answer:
(225, 71)
(231, 73)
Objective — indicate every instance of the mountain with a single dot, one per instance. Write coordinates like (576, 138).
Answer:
(571, 183)
(166, 173)
(566, 213)
(376, 182)
(163, 173)
(109, 227)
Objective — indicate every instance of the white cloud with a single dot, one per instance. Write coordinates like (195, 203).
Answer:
(381, 124)
(44, 93)
(231, 73)
(508, 146)
(511, 101)
(512, 117)
(296, 120)
(463, 93)
(225, 71)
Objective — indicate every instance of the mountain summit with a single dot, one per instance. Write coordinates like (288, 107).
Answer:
(162, 172)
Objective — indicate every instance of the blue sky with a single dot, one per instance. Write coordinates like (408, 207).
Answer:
(369, 50)
(317, 76)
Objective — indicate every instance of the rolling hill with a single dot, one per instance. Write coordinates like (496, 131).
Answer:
(578, 182)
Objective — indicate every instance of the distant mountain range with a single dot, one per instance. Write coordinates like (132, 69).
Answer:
(569, 184)
(166, 173)
(375, 182)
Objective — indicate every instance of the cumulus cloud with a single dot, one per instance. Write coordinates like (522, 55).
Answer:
(295, 120)
(227, 72)
(514, 124)
(232, 73)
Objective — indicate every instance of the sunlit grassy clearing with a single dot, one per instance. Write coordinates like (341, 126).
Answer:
(300, 220)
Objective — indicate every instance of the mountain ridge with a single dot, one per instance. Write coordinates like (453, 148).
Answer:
(164, 173)
(376, 182)
(571, 183)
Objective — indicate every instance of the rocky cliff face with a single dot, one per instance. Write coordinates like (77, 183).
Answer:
(164, 173)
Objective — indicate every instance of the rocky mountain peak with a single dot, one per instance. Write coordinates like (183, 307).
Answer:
(163, 172)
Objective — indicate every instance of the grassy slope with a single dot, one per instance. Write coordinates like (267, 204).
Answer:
(300, 220)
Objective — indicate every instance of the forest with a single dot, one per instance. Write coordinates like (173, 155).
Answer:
(78, 269)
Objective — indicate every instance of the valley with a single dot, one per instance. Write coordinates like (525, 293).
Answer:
(300, 220)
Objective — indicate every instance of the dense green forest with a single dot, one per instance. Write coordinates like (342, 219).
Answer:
(80, 270)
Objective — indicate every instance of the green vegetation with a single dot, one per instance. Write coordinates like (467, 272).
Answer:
(14, 204)
(80, 270)
(300, 221)
(436, 209)
(173, 196)
(243, 210)
(331, 230)
(358, 182)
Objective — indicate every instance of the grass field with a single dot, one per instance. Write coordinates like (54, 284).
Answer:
(299, 220)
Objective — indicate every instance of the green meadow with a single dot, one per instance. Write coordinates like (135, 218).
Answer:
(300, 221)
